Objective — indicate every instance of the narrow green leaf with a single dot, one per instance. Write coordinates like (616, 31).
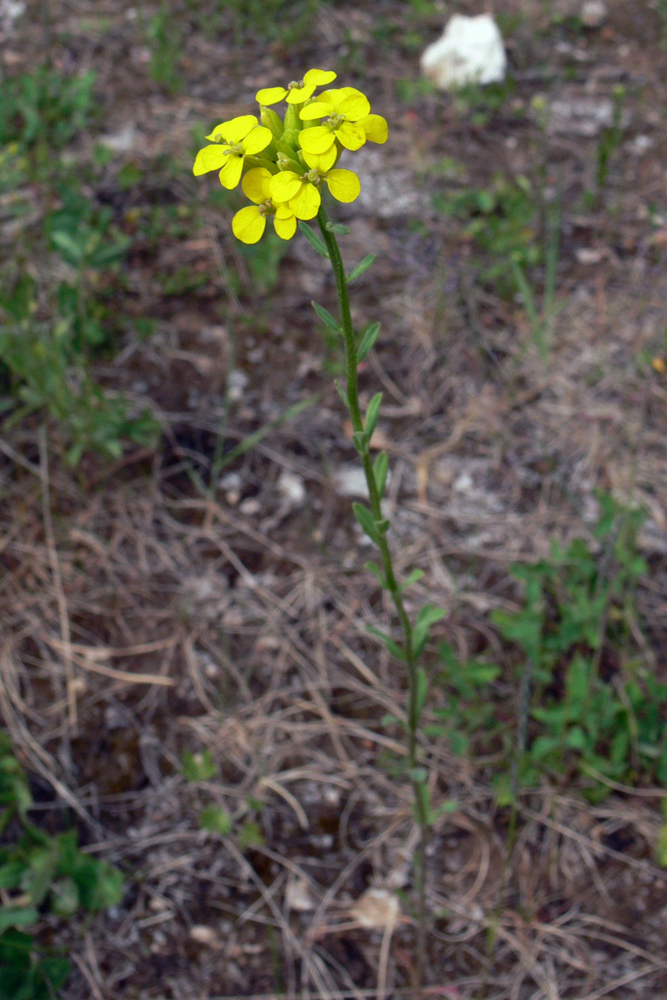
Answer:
(380, 470)
(372, 415)
(19, 917)
(362, 266)
(369, 336)
(414, 577)
(342, 393)
(70, 248)
(426, 617)
(373, 568)
(327, 318)
(365, 519)
(392, 646)
(419, 775)
(360, 442)
(314, 240)
(338, 228)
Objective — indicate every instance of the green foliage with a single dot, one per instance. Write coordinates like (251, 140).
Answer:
(596, 716)
(24, 975)
(40, 874)
(661, 8)
(482, 103)
(285, 21)
(199, 766)
(216, 820)
(470, 709)
(45, 108)
(610, 140)
(43, 368)
(503, 222)
(165, 41)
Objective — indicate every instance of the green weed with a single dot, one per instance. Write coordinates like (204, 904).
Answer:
(165, 42)
(42, 368)
(285, 21)
(600, 715)
(46, 108)
(40, 874)
(610, 140)
(516, 232)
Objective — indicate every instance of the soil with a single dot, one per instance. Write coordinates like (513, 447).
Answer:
(160, 604)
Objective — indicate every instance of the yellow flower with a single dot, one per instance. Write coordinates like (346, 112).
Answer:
(299, 90)
(249, 223)
(302, 195)
(342, 110)
(235, 140)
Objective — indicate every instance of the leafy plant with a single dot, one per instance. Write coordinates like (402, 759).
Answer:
(503, 221)
(516, 232)
(273, 20)
(597, 717)
(470, 708)
(165, 41)
(45, 107)
(39, 874)
(42, 369)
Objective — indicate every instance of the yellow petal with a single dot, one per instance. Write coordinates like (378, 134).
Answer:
(256, 140)
(270, 95)
(255, 185)
(351, 135)
(285, 185)
(238, 128)
(285, 227)
(324, 162)
(375, 127)
(319, 77)
(354, 105)
(343, 184)
(217, 135)
(317, 140)
(230, 174)
(318, 109)
(248, 224)
(300, 94)
(307, 202)
(210, 158)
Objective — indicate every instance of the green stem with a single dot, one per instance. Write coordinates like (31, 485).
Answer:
(352, 386)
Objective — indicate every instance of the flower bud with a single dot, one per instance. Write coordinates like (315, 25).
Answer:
(271, 120)
(289, 144)
(292, 120)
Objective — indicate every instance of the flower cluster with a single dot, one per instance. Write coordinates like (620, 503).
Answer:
(283, 162)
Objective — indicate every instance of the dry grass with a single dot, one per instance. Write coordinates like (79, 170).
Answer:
(140, 620)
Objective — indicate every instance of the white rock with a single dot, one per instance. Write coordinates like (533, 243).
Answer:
(350, 481)
(582, 116)
(291, 488)
(593, 13)
(202, 934)
(122, 141)
(471, 50)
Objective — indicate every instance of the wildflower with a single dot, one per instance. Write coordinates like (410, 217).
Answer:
(302, 195)
(249, 223)
(234, 140)
(345, 116)
(297, 91)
